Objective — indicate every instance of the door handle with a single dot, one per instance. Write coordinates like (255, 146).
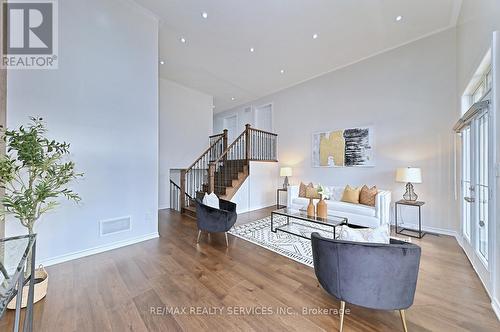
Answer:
(470, 199)
(481, 223)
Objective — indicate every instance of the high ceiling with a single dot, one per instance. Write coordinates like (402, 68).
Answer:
(216, 57)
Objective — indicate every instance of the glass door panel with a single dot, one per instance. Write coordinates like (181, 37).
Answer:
(482, 187)
(467, 187)
(475, 188)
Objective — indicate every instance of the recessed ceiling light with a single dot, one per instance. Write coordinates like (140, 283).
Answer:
(282, 71)
(204, 15)
(399, 18)
(182, 40)
(232, 98)
(252, 49)
(315, 36)
(162, 62)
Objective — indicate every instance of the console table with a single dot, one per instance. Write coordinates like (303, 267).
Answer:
(14, 252)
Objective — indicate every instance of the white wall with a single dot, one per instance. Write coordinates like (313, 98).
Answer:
(244, 115)
(103, 100)
(407, 94)
(185, 125)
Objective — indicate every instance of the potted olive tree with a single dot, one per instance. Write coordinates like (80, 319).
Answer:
(35, 173)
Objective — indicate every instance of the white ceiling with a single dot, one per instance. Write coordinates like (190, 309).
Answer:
(216, 57)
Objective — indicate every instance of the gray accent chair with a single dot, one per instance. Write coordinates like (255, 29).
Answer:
(214, 220)
(370, 275)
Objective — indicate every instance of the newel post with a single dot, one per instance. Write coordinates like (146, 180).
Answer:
(224, 143)
(247, 141)
(182, 199)
(211, 178)
(224, 140)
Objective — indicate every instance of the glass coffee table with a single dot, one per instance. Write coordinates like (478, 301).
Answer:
(298, 223)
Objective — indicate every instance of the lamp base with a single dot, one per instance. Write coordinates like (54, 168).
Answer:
(285, 183)
(410, 193)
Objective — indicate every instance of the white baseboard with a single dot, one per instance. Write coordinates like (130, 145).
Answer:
(163, 207)
(255, 207)
(96, 250)
(496, 307)
(441, 231)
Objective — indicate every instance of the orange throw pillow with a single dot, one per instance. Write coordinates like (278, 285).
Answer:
(351, 195)
(367, 195)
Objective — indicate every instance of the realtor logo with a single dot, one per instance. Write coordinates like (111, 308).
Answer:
(30, 38)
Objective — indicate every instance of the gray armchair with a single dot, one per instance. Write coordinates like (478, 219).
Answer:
(370, 275)
(214, 220)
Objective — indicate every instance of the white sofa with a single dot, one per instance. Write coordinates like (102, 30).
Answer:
(357, 214)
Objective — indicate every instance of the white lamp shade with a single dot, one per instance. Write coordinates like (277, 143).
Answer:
(286, 171)
(409, 174)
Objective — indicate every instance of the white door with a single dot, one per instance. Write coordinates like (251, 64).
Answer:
(476, 193)
(231, 124)
(264, 117)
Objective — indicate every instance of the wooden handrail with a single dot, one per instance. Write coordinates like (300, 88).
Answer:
(251, 144)
(248, 128)
(179, 188)
(204, 153)
(224, 154)
(175, 184)
(216, 135)
(263, 131)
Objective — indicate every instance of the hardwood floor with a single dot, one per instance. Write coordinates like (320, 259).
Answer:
(128, 289)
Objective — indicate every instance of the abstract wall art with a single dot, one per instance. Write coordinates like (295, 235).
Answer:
(351, 147)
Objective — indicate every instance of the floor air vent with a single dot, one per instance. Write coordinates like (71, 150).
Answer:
(113, 226)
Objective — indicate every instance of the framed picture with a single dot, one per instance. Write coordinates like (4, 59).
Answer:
(352, 147)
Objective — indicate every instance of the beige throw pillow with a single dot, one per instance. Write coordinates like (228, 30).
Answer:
(302, 190)
(308, 191)
(351, 195)
(374, 235)
(367, 195)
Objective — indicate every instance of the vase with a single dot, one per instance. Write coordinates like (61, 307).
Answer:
(321, 208)
(310, 208)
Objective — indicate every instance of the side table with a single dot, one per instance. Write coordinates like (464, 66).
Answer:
(278, 205)
(405, 231)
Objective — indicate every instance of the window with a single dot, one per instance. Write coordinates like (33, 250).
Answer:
(489, 80)
(482, 88)
(479, 93)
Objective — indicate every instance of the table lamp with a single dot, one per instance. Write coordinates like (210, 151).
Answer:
(286, 172)
(409, 175)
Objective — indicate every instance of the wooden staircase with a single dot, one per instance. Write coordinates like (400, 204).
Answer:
(222, 169)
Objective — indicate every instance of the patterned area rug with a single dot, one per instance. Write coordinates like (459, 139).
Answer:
(288, 245)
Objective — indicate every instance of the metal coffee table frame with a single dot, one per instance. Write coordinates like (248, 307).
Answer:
(297, 214)
(18, 278)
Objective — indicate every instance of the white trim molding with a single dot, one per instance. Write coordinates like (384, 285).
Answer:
(429, 229)
(96, 250)
(496, 307)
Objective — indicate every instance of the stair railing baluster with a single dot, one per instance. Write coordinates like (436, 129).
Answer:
(260, 145)
(268, 142)
(264, 146)
(193, 178)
